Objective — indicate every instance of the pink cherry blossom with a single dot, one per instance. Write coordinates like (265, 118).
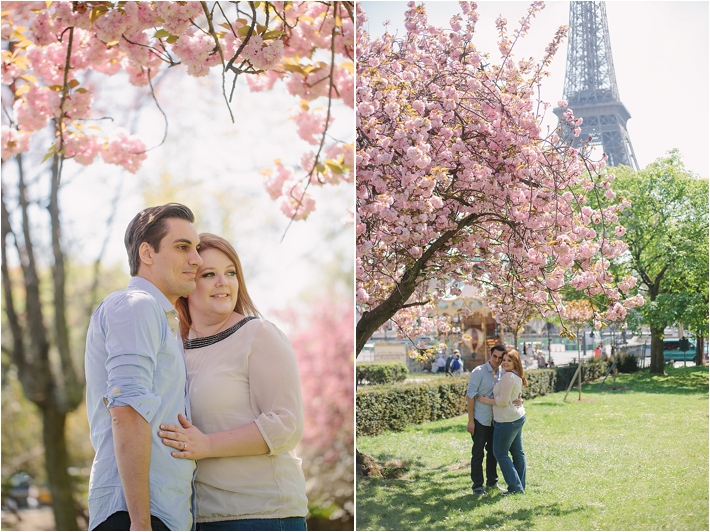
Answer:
(13, 142)
(311, 125)
(124, 150)
(82, 148)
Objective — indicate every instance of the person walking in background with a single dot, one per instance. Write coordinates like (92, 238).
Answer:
(447, 367)
(480, 421)
(456, 365)
(245, 396)
(508, 421)
(136, 379)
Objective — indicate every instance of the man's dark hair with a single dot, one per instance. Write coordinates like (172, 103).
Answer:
(150, 226)
(498, 347)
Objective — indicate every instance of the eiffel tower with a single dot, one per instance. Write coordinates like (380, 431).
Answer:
(590, 84)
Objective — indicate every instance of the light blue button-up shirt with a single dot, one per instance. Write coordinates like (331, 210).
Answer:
(134, 358)
(481, 382)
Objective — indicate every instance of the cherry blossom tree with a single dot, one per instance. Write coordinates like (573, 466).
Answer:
(50, 50)
(457, 182)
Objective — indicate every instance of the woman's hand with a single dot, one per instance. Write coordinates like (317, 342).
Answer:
(485, 400)
(189, 441)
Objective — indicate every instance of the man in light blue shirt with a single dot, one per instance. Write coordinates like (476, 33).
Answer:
(136, 379)
(480, 420)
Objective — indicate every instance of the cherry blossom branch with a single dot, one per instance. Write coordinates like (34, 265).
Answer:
(316, 159)
(212, 32)
(166, 57)
(165, 117)
(59, 153)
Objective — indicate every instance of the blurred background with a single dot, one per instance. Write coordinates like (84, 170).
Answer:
(300, 274)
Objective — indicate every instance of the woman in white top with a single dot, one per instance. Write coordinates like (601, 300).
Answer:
(508, 421)
(245, 399)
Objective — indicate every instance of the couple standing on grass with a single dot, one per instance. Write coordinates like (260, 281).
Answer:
(181, 369)
(495, 420)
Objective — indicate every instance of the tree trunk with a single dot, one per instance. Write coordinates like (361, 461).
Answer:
(658, 364)
(699, 349)
(56, 463)
(378, 316)
(71, 387)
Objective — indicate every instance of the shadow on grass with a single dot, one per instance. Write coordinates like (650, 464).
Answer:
(426, 498)
(545, 400)
(394, 505)
(453, 428)
(523, 519)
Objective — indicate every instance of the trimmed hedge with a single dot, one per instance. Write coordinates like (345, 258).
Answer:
(393, 407)
(540, 382)
(381, 372)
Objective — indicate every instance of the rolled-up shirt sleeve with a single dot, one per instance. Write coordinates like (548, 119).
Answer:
(275, 389)
(133, 340)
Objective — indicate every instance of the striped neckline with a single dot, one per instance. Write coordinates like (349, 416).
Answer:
(197, 343)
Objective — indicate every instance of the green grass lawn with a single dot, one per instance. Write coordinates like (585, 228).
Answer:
(633, 458)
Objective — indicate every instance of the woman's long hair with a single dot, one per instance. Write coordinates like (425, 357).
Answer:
(517, 364)
(244, 304)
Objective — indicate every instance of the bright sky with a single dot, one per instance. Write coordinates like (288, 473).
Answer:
(660, 52)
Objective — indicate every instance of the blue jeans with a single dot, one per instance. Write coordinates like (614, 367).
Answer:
(508, 437)
(285, 523)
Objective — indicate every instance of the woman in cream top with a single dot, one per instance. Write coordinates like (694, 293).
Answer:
(246, 406)
(508, 421)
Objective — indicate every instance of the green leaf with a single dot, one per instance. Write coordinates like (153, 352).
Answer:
(22, 90)
(293, 68)
(172, 39)
(335, 167)
(273, 34)
(97, 12)
(50, 153)
(161, 34)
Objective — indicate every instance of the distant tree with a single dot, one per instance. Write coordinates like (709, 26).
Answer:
(667, 235)
(510, 309)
